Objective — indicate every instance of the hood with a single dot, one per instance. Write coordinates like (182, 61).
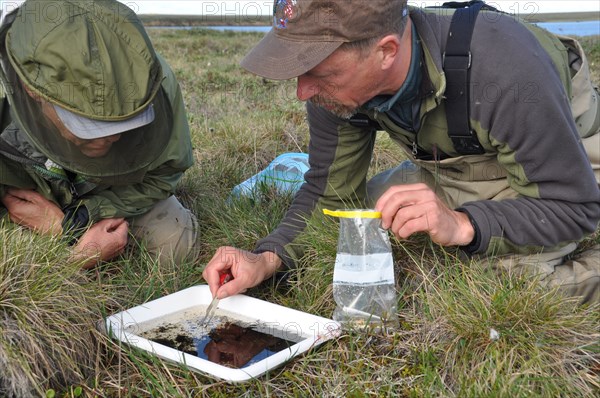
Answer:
(94, 59)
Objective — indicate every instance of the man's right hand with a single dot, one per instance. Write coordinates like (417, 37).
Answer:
(103, 241)
(248, 270)
(31, 210)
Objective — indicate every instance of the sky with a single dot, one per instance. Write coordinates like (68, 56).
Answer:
(264, 7)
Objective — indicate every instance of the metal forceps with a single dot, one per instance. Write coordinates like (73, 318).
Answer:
(212, 307)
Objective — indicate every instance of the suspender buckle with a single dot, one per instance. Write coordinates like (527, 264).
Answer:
(467, 144)
(456, 64)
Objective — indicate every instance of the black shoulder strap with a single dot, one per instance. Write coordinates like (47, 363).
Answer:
(456, 64)
(463, 4)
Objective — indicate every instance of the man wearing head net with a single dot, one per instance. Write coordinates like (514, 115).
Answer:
(94, 136)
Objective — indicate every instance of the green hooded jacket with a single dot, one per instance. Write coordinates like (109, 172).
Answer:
(94, 59)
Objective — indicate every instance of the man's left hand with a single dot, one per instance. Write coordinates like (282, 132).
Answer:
(103, 241)
(412, 208)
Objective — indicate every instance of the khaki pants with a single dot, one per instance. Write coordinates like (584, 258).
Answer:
(578, 276)
(168, 231)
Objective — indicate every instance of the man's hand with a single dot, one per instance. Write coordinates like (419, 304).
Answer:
(407, 209)
(103, 241)
(248, 270)
(30, 209)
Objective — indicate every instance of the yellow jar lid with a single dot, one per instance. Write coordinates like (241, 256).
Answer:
(353, 213)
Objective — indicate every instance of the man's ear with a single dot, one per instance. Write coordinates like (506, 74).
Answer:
(389, 48)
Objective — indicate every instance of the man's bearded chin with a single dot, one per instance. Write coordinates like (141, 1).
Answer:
(342, 111)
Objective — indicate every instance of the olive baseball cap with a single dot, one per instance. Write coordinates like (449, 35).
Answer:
(305, 32)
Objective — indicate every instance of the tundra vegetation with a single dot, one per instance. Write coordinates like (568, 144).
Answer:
(50, 345)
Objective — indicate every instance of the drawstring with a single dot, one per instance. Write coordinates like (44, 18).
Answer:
(436, 160)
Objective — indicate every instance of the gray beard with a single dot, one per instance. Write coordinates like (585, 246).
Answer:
(334, 107)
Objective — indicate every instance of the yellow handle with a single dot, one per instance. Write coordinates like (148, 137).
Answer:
(353, 213)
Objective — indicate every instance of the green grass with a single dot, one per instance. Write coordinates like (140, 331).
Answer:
(548, 346)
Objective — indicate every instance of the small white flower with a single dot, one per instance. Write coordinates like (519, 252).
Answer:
(494, 335)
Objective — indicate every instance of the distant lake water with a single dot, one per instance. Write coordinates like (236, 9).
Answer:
(582, 28)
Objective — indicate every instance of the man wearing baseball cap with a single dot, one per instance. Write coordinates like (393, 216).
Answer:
(519, 192)
(94, 136)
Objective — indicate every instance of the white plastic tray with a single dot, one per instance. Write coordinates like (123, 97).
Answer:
(309, 330)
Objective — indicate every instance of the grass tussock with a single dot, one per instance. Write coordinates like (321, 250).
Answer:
(504, 335)
(48, 315)
(547, 345)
